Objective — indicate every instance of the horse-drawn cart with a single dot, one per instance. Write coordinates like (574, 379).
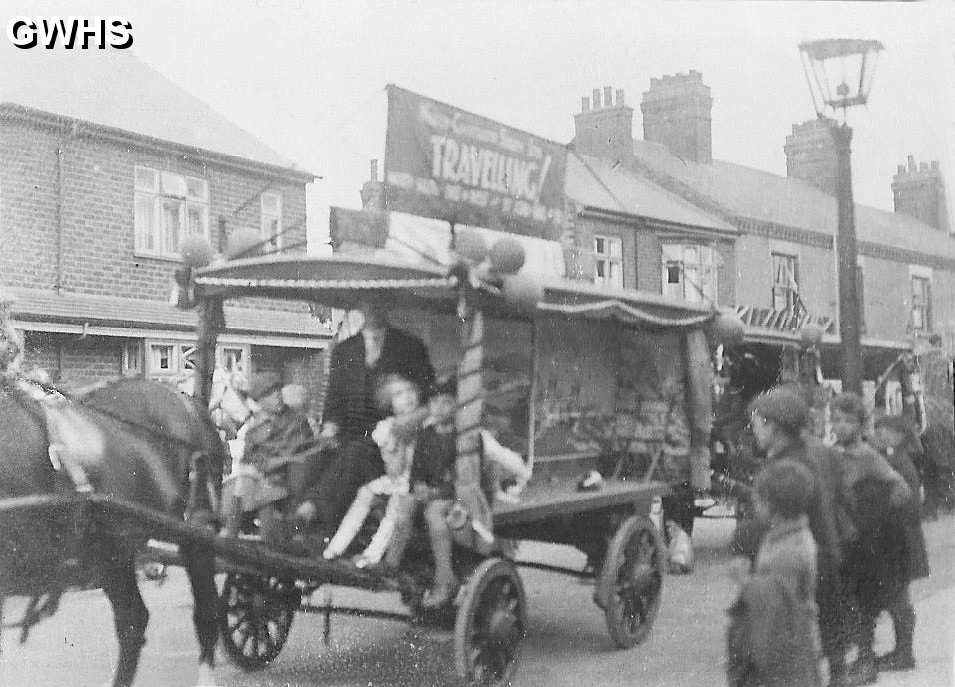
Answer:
(584, 379)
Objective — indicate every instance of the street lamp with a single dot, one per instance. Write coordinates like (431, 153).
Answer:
(839, 72)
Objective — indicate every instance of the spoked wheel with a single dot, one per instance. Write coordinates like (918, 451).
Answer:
(255, 616)
(632, 580)
(491, 624)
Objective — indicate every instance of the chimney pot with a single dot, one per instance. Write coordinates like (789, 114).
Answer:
(374, 170)
(901, 169)
(911, 160)
(596, 97)
(934, 165)
(608, 96)
(923, 166)
(620, 101)
(585, 104)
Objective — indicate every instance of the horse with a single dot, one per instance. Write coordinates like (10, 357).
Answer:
(154, 448)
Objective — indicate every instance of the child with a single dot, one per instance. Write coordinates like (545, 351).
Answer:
(396, 452)
(869, 490)
(774, 634)
(432, 479)
(895, 438)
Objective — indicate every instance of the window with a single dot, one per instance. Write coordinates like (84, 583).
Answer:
(689, 272)
(609, 264)
(272, 218)
(162, 359)
(921, 303)
(233, 358)
(785, 293)
(168, 207)
(132, 358)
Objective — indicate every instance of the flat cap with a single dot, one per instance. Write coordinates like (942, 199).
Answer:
(783, 405)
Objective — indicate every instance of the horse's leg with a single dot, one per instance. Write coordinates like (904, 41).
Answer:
(130, 616)
(200, 565)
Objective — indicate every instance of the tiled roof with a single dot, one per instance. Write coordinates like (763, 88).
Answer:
(768, 197)
(113, 88)
(42, 305)
(595, 182)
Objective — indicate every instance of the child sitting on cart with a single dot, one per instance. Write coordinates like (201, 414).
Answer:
(397, 449)
(432, 492)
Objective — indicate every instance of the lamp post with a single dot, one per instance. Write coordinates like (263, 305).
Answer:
(839, 72)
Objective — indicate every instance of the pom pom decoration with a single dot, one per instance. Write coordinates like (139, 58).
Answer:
(243, 243)
(507, 256)
(522, 292)
(810, 335)
(727, 328)
(470, 245)
(196, 251)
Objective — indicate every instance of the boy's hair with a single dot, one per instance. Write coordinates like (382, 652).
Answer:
(787, 487)
(783, 405)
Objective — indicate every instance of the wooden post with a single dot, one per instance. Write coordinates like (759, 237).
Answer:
(468, 419)
(210, 321)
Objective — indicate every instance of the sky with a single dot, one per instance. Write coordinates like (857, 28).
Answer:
(308, 78)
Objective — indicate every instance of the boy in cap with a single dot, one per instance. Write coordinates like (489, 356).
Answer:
(778, 419)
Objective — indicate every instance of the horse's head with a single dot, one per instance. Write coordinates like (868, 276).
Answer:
(181, 432)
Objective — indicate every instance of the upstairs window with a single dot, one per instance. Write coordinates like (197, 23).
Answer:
(785, 293)
(272, 219)
(609, 263)
(168, 207)
(921, 321)
(689, 272)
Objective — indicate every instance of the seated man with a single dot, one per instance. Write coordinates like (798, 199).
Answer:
(352, 409)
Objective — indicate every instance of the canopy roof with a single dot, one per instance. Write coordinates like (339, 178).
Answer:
(341, 280)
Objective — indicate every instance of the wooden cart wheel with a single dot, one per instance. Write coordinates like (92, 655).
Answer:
(491, 624)
(632, 579)
(255, 616)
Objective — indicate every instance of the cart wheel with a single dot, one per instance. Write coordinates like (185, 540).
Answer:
(632, 579)
(255, 616)
(490, 625)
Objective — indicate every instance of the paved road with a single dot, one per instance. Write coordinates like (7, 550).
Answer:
(567, 644)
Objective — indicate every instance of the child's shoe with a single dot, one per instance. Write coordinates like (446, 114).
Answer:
(896, 660)
(439, 596)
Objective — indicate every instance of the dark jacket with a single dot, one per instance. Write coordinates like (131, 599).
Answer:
(770, 638)
(274, 437)
(433, 463)
(350, 398)
(916, 555)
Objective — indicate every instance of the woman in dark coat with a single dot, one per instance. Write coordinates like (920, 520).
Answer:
(779, 418)
(895, 438)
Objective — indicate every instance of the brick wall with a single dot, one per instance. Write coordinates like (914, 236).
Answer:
(95, 182)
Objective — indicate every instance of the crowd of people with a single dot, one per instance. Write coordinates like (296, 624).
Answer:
(835, 539)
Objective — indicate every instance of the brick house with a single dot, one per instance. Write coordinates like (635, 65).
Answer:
(784, 257)
(106, 167)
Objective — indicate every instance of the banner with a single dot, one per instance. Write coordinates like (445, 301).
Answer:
(456, 166)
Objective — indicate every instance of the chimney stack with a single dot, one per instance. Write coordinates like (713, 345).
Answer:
(811, 155)
(677, 112)
(919, 191)
(607, 131)
(373, 191)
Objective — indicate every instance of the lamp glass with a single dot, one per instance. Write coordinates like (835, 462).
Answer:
(839, 71)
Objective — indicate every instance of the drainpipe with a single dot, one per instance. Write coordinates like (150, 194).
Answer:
(60, 196)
